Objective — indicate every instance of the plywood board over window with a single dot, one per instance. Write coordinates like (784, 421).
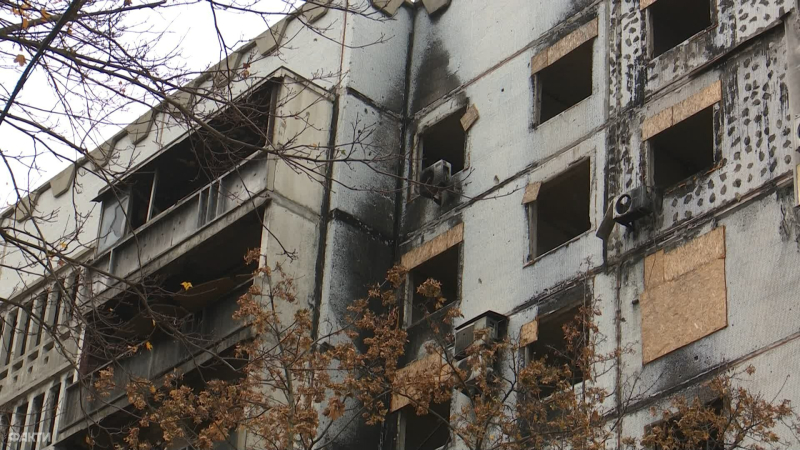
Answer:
(685, 296)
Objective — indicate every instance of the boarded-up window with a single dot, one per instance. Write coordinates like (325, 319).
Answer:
(685, 295)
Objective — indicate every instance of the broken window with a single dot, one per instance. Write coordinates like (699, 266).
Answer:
(555, 349)
(442, 268)
(684, 149)
(188, 166)
(427, 432)
(112, 221)
(675, 21)
(441, 154)
(559, 211)
(564, 83)
(670, 431)
(219, 275)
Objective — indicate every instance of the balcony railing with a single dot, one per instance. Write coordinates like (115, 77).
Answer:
(218, 330)
(242, 186)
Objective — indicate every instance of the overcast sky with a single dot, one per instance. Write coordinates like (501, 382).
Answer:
(190, 28)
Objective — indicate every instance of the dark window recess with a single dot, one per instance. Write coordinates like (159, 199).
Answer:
(683, 150)
(26, 327)
(11, 334)
(446, 140)
(19, 424)
(141, 189)
(675, 21)
(5, 430)
(442, 268)
(41, 315)
(553, 347)
(561, 212)
(199, 158)
(217, 272)
(427, 432)
(671, 428)
(566, 82)
(36, 418)
(52, 411)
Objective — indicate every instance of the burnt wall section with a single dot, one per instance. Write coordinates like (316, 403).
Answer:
(504, 142)
(365, 187)
(377, 54)
(470, 37)
(356, 258)
(734, 22)
(753, 142)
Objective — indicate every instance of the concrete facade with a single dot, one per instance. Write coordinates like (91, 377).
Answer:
(732, 84)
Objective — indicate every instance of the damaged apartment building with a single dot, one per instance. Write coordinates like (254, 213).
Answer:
(640, 151)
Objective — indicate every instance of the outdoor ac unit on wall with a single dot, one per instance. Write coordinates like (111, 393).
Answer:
(470, 332)
(435, 179)
(627, 208)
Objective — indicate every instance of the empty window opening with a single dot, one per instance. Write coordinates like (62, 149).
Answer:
(684, 149)
(5, 428)
(52, 413)
(10, 334)
(35, 425)
(218, 273)
(430, 431)
(188, 166)
(561, 211)
(446, 140)
(19, 424)
(25, 326)
(41, 316)
(141, 189)
(556, 349)
(565, 83)
(675, 21)
(442, 268)
(670, 431)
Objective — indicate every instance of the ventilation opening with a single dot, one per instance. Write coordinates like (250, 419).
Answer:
(683, 150)
(430, 431)
(556, 349)
(675, 21)
(561, 212)
(446, 140)
(442, 268)
(566, 82)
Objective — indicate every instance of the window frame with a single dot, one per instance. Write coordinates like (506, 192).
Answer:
(650, 45)
(417, 153)
(650, 151)
(536, 80)
(532, 210)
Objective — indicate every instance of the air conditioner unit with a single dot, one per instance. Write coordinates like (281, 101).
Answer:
(435, 179)
(633, 205)
(469, 386)
(470, 332)
(627, 208)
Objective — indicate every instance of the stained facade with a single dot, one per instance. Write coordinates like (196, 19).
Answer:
(544, 115)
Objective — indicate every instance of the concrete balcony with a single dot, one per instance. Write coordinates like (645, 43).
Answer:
(183, 226)
(219, 332)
